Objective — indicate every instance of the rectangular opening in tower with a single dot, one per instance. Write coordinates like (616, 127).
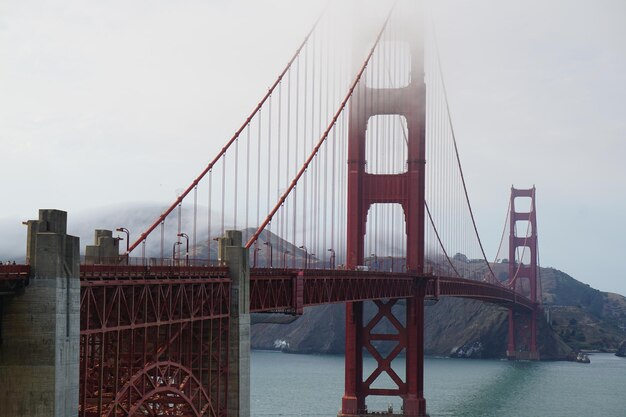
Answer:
(523, 228)
(523, 204)
(523, 255)
(385, 238)
(386, 144)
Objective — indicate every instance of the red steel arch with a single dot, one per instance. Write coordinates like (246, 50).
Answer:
(169, 383)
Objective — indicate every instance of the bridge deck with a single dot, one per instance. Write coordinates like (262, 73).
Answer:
(290, 290)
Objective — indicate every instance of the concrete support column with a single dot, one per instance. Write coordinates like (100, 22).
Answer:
(39, 355)
(105, 248)
(231, 251)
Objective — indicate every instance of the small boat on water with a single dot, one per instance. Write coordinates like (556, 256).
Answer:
(582, 358)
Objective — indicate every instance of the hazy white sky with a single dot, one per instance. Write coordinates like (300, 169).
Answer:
(119, 102)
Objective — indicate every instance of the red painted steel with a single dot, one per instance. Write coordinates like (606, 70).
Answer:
(272, 290)
(406, 189)
(289, 290)
(522, 332)
(13, 272)
(13, 277)
(153, 341)
(478, 290)
(122, 272)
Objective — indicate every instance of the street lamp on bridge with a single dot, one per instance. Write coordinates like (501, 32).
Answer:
(306, 256)
(285, 253)
(254, 254)
(174, 251)
(332, 258)
(375, 261)
(125, 230)
(186, 246)
(271, 253)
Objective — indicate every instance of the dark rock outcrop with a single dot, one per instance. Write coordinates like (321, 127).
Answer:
(453, 327)
(621, 351)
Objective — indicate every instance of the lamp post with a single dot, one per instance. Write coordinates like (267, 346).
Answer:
(285, 253)
(174, 251)
(186, 246)
(254, 254)
(271, 253)
(125, 230)
(332, 258)
(306, 256)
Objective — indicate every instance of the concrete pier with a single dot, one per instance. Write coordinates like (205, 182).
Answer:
(105, 248)
(231, 251)
(39, 355)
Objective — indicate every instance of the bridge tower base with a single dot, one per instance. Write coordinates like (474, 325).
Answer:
(39, 351)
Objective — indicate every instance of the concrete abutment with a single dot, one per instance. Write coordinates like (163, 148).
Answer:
(39, 355)
(232, 252)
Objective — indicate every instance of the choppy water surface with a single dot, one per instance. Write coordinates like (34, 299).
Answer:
(312, 385)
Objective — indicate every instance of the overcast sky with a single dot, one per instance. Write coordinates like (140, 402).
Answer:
(110, 104)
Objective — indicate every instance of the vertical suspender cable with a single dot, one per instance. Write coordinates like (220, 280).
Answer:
(162, 240)
(288, 162)
(248, 145)
(223, 194)
(258, 172)
(180, 223)
(269, 175)
(236, 186)
(304, 148)
(279, 230)
(295, 169)
(195, 219)
(209, 214)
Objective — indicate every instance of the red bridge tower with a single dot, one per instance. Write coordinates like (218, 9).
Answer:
(523, 277)
(407, 190)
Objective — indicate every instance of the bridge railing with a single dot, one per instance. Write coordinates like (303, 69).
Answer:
(14, 271)
(13, 276)
(147, 261)
(122, 271)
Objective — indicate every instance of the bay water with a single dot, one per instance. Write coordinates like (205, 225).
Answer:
(293, 385)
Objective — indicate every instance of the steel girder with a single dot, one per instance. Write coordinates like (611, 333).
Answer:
(477, 290)
(289, 290)
(153, 346)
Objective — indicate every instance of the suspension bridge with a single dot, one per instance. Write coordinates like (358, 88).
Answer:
(343, 185)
